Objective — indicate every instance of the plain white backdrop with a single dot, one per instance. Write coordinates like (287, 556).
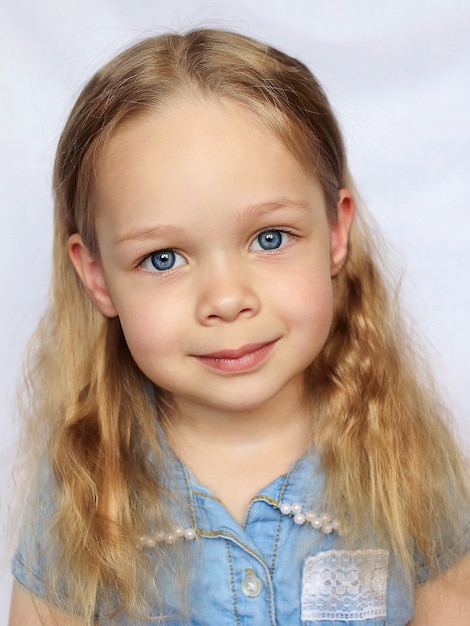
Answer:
(397, 73)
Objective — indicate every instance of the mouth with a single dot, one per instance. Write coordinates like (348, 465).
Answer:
(240, 360)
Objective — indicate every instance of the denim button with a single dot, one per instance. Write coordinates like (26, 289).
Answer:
(252, 585)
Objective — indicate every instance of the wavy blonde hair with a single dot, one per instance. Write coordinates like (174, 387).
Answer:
(379, 427)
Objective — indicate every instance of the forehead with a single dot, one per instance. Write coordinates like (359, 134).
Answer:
(198, 154)
(192, 113)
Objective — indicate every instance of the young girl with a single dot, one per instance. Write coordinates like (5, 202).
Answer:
(235, 428)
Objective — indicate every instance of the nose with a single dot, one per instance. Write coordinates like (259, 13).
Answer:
(226, 293)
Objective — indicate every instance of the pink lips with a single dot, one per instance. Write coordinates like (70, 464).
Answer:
(240, 360)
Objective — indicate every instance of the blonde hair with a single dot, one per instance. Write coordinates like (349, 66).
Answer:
(388, 455)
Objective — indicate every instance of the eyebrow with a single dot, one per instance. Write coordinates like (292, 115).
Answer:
(153, 232)
(249, 212)
(263, 208)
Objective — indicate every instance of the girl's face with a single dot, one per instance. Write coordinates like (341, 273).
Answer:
(215, 253)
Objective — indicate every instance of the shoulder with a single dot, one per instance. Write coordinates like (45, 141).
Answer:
(36, 548)
(28, 610)
(446, 599)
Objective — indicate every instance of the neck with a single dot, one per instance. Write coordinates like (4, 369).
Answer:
(261, 424)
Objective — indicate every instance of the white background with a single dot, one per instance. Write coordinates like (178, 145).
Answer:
(397, 74)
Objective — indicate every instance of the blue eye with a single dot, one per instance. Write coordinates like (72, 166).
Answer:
(162, 261)
(269, 240)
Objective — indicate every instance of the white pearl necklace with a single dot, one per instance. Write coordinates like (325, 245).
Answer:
(322, 522)
(179, 532)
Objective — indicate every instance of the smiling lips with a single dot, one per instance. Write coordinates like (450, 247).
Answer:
(240, 360)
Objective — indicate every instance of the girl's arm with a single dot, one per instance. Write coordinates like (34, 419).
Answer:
(28, 610)
(445, 600)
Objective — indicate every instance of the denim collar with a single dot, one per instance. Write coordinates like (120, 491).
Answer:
(198, 507)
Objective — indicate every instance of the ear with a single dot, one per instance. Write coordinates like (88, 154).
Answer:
(90, 271)
(339, 231)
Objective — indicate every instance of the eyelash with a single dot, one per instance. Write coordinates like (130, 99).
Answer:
(171, 254)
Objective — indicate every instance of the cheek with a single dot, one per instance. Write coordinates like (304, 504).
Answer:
(309, 298)
(315, 322)
(149, 332)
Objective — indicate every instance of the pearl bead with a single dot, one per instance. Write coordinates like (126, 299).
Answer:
(310, 516)
(296, 507)
(316, 523)
(189, 533)
(299, 518)
(285, 508)
(327, 529)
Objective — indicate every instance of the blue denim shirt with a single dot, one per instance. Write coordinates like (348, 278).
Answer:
(270, 571)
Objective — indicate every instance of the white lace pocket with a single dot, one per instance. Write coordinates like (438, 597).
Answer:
(345, 585)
